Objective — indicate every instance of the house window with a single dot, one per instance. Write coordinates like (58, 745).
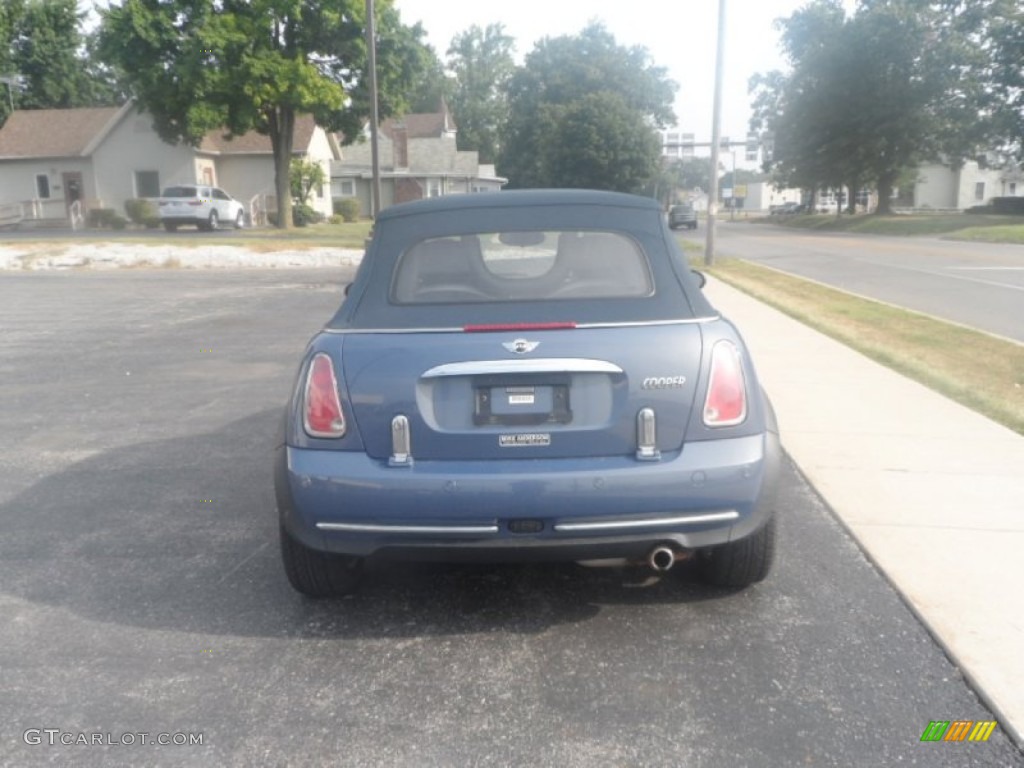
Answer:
(147, 184)
(42, 186)
(434, 188)
(979, 190)
(343, 187)
(1013, 189)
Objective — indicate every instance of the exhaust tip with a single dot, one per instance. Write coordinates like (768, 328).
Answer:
(661, 559)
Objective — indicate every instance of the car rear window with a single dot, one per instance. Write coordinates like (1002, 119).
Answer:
(180, 192)
(521, 266)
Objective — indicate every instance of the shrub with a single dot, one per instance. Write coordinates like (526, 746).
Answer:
(348, 207)
(139, 210)
(118, 222)
(151, 222)
(303, 215)
(335, 219)
(1013, 206)
(101, 217)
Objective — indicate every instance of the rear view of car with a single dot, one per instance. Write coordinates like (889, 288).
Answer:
(527, 375)
(200, 206)
(682, 215)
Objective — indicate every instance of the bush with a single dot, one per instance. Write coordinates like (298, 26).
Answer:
(303, 215)
(348, 207)
(151, 222)
(118, 222)
(335, 219)
(98, 218)
(1013, 206)
(272, 219)
(139, 210)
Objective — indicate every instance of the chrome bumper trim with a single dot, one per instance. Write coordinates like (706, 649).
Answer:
(424, 529)
(618, 525)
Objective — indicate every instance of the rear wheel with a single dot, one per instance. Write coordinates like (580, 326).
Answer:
(211, 224)
(740, 563)
(318, 574)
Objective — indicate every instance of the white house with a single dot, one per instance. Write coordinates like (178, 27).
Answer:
(54, 161)
(418, 159)
(941, 187)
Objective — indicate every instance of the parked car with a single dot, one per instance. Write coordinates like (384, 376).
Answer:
(787, 208)
(682, 215)
(526, 375)
(203, 206)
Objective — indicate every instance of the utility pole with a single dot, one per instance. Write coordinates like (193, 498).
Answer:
(716, 130)
(371, 46)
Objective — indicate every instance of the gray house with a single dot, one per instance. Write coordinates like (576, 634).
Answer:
(418, 159)
(56, 164)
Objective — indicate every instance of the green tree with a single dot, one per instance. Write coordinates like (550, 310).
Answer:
(566, 80)
(482, 64)
(304, 177)
(869, 96)
(244, 65)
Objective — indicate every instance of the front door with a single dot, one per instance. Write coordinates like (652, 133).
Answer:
(72, 191)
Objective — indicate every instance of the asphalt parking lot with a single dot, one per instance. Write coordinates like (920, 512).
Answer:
(142, 592)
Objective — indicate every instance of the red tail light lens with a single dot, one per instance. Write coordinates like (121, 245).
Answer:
(726, 403)
(322, 415)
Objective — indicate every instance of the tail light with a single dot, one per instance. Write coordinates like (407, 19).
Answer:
(321, 408)
(726, 403)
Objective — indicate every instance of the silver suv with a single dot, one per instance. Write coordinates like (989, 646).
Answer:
(682, 215)
(205, 207)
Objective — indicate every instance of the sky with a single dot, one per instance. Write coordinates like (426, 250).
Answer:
(680, 35)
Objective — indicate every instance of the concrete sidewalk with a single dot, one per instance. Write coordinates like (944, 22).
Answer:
(933, 492)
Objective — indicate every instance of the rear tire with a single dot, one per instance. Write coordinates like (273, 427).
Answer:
(318, 574)
(740, 563)
(211, 224)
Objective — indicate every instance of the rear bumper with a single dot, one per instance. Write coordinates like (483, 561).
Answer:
(709, 493)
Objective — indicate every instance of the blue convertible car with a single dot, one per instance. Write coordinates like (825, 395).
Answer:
(526, 375)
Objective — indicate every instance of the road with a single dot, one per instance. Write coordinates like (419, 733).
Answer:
(980, 285)
(141, 590)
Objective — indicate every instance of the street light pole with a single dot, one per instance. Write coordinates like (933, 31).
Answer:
(371, 46)
(716, 131)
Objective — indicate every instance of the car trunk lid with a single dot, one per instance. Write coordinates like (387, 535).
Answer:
(552, 392)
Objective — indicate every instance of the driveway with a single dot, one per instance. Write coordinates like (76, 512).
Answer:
(142, 593)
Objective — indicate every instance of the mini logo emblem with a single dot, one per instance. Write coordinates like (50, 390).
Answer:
(520, 346)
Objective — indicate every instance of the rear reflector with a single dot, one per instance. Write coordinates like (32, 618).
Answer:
(726, 403)
(321, 408)
(518, 327)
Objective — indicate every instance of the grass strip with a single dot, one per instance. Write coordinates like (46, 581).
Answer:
(983, 372)
(968, 226)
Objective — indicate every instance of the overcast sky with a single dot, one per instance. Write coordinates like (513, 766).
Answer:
(679, 34)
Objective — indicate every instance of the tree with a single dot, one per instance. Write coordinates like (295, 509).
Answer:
(304, 176)
(42, 41)
(243, 65)
(482, 64)
(555, 122)
(869, 96)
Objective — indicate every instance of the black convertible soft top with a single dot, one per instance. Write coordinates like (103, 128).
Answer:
(369, 305)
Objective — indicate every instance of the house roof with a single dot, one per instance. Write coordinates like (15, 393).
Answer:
(32, 133)
(421, 125)
(256, 143)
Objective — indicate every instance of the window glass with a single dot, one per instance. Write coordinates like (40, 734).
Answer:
(180, 192)
(522, 266)
(42, 186)
(147, 184)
